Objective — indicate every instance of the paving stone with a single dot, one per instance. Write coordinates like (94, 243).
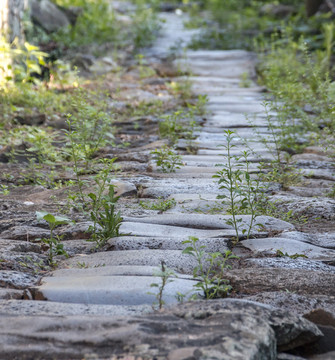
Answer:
(295, 303)
(16, 279)
(167, 231)
(287, 245)
(288, 263)
(109, 290)
(167, 243)
(174, 259)
(25, 232)
(201, 221)
(259, 280)
(52, 308)
(7, 294)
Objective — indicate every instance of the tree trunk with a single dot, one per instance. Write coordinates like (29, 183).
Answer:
(312, 6)
(11, 28)
(11, 14)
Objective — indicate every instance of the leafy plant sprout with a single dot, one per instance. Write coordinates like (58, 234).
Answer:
(167, 159)
(55, 246)
(165, 275)
(210, 269)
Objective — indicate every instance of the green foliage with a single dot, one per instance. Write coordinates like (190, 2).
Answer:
(167, 159)
(4, 190)
(210, 269)
(279, 253)
(165, 275)
(106, 220)
(106, 26)
(55, 246)
(89, 127)
(160, 205)
(239, 189)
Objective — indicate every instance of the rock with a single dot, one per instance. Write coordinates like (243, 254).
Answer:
(48, 308)
(8, 294)
(278, 11)
(124, 188)
(174, 259)
(291, 330)
(48, 15)
(285, 356)
(110, 289)
(167, 243)
(289, 246)
(25, 232)
(327, 356)
(83, 61)
(323, 208)
(223, 336)
(252, 281)
(295, 303)
(288, 263)
(32, 120)
(16, 280)
(78, 231)
(201, 221)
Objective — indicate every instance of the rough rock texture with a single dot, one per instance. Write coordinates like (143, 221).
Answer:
(223, 329)
(48, 15)
(252, 281)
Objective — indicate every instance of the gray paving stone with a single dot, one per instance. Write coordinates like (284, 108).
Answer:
(201, 221)
(286, 245)
(109, 290)
(53, 308)
(167, 243)
(174, 259)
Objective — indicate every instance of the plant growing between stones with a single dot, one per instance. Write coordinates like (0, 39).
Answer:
(165, 275)
(210, 269)
(279, 253)
(161, 205)
(54, 242)
(167, 159)
(106, 220)
(239, 189)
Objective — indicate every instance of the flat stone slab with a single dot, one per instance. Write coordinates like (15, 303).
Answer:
(201, 221)
(219, 329)
(157, 230)
(291, 247)
(167, 243)
(16, 280)
(295, 303)
(48, 308)
(259, 280)
(288, 263)
(110, 290)
(174, 259)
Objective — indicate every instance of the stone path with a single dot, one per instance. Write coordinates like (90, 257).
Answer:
(117, 282)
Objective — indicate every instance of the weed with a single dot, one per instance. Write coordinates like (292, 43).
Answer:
(36, 266)
(210, 269)
(167, 159)
(4, 190)
(160, 205)
(165, 275)
(89, 127)
(240, 190)
(55, 246)
(106, 220)
(279, 253)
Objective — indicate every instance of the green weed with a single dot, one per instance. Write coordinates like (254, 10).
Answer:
(54, 242)
(160, 205)
(210, 269)
(165, 275)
